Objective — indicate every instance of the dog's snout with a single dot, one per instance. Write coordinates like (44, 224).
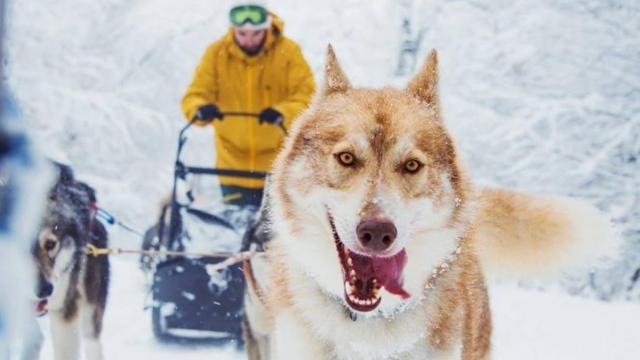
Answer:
(376, 234)
(45, 290)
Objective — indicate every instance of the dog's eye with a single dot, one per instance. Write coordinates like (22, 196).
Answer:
(412, 166)
(346, 159)
(49, 245)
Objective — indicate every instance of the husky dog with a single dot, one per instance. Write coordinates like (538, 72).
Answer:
(72, 286)
(381, 241)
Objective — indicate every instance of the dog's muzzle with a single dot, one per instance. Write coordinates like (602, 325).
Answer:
(364, 276)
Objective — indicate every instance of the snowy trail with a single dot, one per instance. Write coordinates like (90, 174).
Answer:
(529, 325)
(127, 328)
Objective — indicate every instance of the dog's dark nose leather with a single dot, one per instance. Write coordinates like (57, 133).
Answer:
(45, 290)
(376, 234)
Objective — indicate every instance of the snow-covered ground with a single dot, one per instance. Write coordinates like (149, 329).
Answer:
(540, 95)
(529, 325)
(535, 325)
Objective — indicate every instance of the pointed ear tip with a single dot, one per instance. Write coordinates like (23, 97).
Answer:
(330, 50)
(433, 54)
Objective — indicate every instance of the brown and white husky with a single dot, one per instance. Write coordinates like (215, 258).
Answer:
(380, 239)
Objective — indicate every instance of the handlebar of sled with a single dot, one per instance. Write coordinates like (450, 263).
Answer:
(232, 113)
(181, 170)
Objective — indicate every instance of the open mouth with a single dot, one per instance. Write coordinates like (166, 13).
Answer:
(41, 307)
(364, 276)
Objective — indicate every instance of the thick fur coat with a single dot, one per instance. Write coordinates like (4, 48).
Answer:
(381, 239)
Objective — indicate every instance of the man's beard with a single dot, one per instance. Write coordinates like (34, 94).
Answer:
(254, 50)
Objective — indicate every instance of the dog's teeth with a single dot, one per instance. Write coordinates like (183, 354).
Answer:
(363, 302)
(349, 262)
(347, 287)
(352, 273)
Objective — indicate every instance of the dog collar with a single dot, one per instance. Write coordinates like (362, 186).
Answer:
(350, 314)
(443, 268)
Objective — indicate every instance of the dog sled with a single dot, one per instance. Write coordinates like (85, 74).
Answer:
(188, 302)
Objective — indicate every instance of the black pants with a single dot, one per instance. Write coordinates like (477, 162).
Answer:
(242, 196)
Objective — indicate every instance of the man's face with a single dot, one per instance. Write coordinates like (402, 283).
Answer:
(249, 40)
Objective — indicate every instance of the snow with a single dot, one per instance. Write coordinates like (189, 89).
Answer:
(535, 325)
(528, 325)
(128, 333)
(541, 96)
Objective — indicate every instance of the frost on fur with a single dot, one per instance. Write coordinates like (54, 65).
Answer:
(526, 237)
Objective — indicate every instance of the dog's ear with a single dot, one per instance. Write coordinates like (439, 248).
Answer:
(65, 173)
(335, 81)
(424, 85)
(91, 193)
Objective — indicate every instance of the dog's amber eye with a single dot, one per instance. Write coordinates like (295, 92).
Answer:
(412, 166)
(50, 245)
(346, 159)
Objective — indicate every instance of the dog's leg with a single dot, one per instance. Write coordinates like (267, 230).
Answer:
(257, 345)
(91, 329)
(256, 327)
(65, 336)
(250, 341)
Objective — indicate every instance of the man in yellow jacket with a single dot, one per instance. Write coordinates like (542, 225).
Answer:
(253, 68)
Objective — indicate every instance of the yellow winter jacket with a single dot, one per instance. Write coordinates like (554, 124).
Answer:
(278, 77)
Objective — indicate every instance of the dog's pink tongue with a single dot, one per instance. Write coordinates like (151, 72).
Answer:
(41, 306)
(389, 272)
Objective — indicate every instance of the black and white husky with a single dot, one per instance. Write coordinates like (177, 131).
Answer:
(72, 286)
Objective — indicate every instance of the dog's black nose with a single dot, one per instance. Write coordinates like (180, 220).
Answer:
(45, 290)
(376, 234)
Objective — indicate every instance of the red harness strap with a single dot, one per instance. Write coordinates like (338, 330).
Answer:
(250, 277)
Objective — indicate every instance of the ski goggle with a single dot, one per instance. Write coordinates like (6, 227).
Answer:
(240, 15)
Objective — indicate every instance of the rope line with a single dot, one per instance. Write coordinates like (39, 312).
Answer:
(96, 251)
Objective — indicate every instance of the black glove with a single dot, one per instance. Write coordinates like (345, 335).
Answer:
(271, 116)
(209, 112)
